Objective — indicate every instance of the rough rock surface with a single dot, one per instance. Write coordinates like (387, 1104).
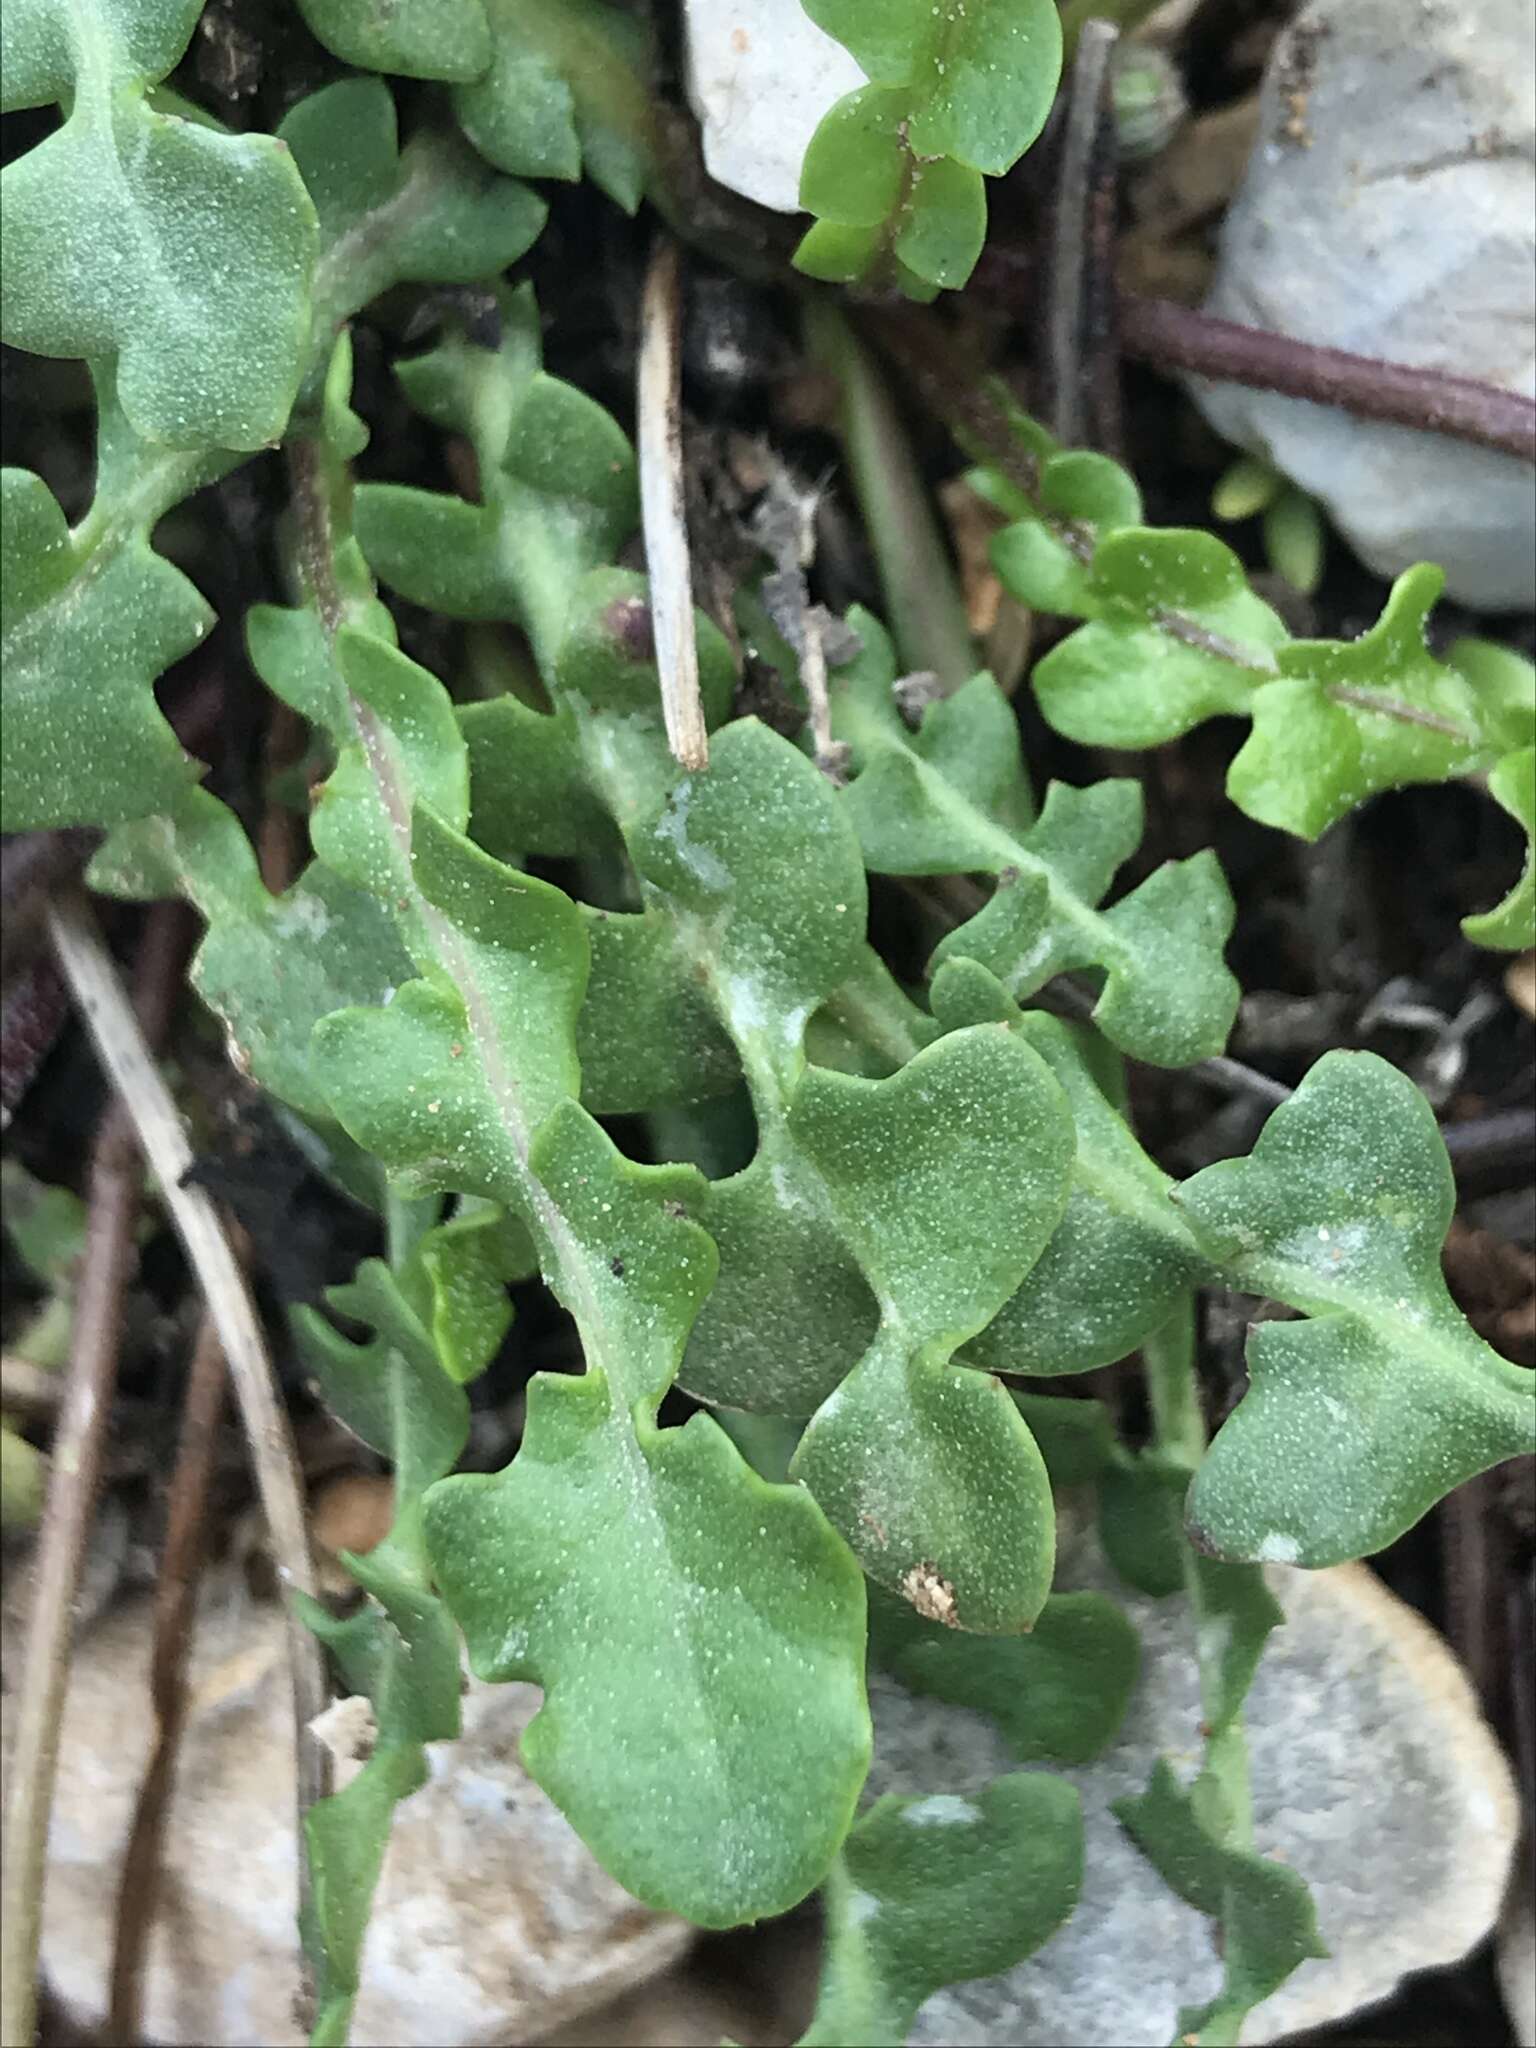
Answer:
(1387, 209)
(1373, 1774)
(493, 1924)
(760, 76)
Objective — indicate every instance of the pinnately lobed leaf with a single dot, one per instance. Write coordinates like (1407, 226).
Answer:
(946, 798)
(180, 253)
(84, 631)
(401, 1649)
(894, 171)
(1360, 1418)
(1173, 635)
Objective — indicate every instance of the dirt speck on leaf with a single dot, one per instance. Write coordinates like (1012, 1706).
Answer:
(931, 1594)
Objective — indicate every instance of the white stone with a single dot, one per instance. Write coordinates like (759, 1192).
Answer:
(760, 76)
(492, 1923)
(1387, 210)
(1373, 1774)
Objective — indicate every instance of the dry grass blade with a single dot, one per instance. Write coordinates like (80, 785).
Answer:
(88, 968)
(112, 1211)
(662, 511)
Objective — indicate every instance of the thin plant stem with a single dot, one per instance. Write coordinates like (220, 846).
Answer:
(1178, 337)
(1067, 357)
(112, 1209)
(1178, 1426)
(916, 576)
(175, 1598)
(89, 970)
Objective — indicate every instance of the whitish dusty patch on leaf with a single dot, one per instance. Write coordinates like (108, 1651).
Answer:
(931, 1594)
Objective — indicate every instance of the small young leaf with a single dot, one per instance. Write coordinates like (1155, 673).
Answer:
(567, 86)
(1361, 1418)
(182, 252)
(1296, 540)
(431, 213)
(932, 1891)
(894, 169)
(1247, 487)
(468, 1262)
(557, 477)
(401, 1650)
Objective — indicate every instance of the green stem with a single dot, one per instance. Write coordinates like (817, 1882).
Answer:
(1173, 1391)
(922, 599)
(1173, 1394)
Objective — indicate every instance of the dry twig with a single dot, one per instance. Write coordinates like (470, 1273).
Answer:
(1178, 337)
(175, 1596)
(75, 1468)
(88, 969)
(659, 416)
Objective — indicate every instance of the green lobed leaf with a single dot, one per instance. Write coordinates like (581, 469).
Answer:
(946, 1180)
(679, 1643)
(758, 875)
(1348, 718)
(894, 169)
(568, 87)
(932, 1891)
(401, 1649)
(1511, 925)
(1174, 635)
(269, 967)
(1362, 1417)
(1121, 1255)
(446, 39)
(467, 1262)
(88, 619)
(947, 798)
(749, 1605)
(181, 253)
(1058, 1694)
(557, 479)
(430, 213)
(1268, 1922)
